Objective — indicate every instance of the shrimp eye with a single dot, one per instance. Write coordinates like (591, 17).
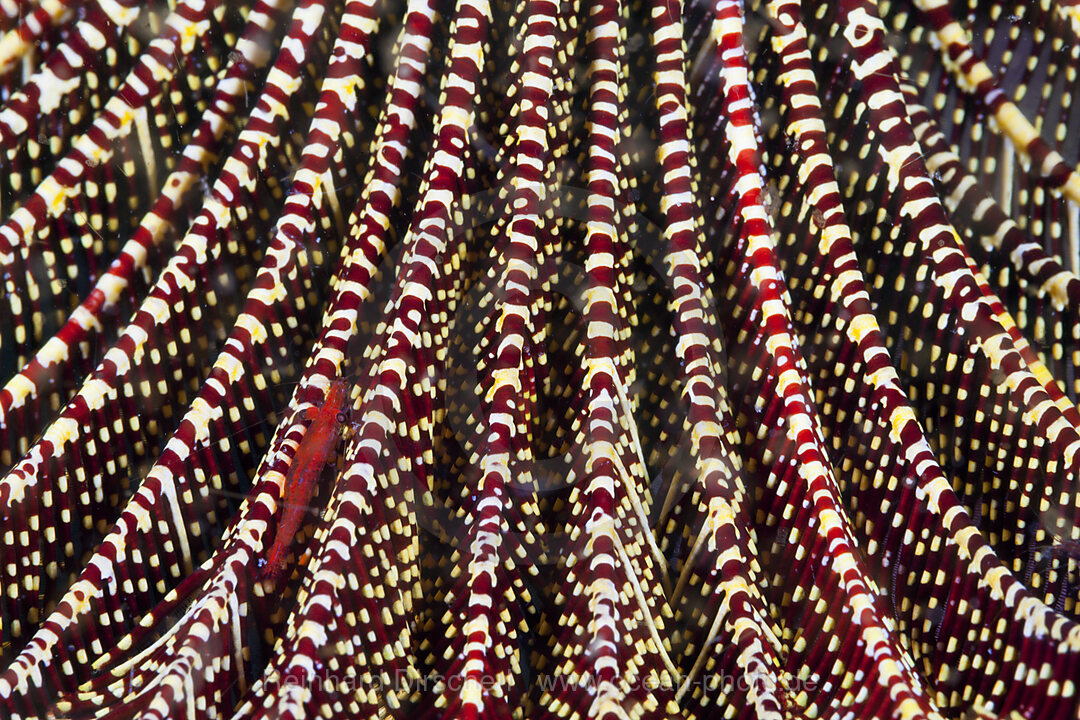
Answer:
(342, 417)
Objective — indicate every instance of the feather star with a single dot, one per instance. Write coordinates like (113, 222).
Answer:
(553, 359)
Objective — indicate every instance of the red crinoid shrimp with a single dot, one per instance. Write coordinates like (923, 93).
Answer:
(319, 441)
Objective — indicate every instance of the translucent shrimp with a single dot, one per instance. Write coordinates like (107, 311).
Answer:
(319, 441)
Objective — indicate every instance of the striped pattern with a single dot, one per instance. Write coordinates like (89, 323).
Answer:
(669, 360)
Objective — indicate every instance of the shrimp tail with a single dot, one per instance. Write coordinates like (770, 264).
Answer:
(276, 562)
(290, 522)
